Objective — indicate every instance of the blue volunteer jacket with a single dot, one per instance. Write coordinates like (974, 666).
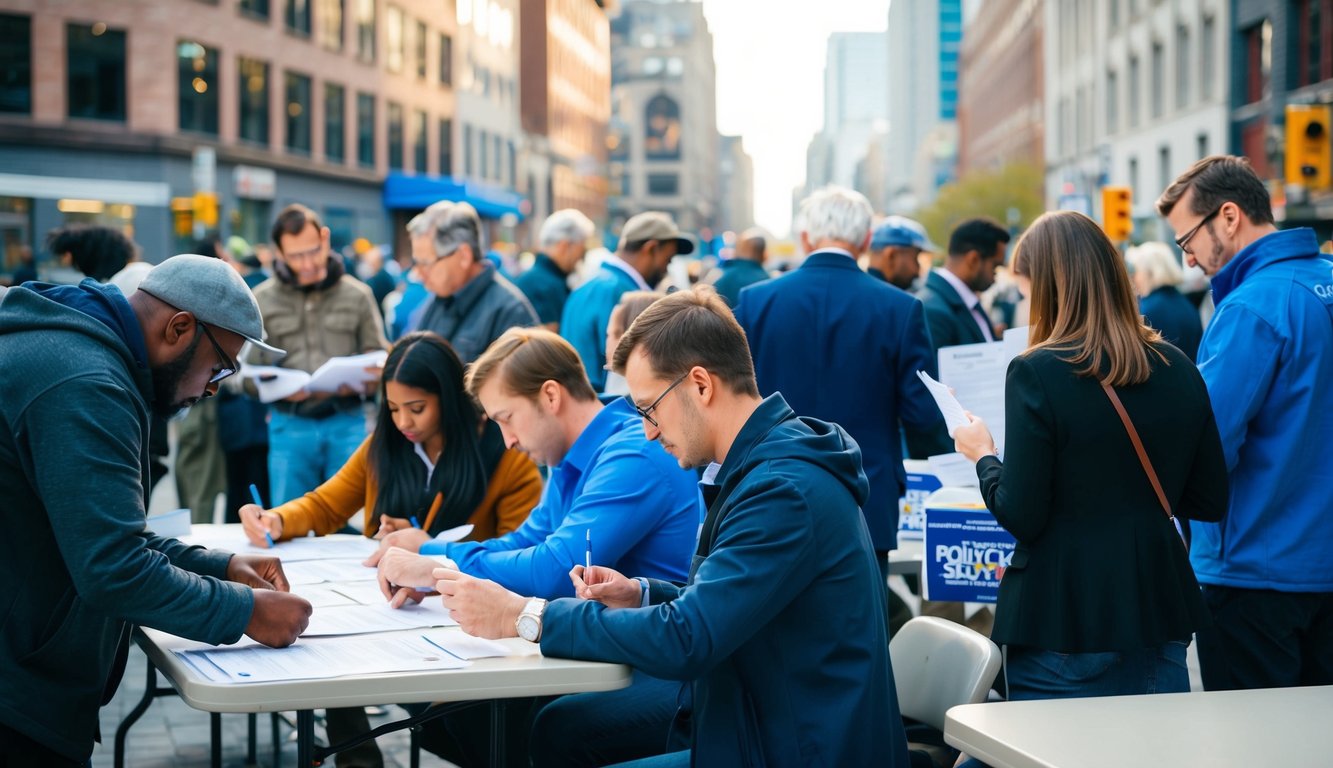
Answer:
(1267, 357)
(586, 315)
(781, 624)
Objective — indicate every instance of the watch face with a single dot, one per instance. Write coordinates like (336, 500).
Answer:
(527, 628)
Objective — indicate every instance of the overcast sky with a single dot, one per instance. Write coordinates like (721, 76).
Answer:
(770, 83)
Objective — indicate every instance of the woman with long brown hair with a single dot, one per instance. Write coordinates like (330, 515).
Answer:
(1109, 436)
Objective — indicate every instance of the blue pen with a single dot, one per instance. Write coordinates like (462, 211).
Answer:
(254, 494)
(587, 553)
(413, 520)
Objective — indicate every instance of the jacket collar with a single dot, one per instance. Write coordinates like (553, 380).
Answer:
(471, 292)
(946, 290)
(1279, 246)
(831, 258)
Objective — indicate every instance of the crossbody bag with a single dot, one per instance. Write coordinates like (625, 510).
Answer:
(1143, 458)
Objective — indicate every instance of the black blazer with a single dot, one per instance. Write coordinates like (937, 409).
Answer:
(951, 322)
(1099, 566)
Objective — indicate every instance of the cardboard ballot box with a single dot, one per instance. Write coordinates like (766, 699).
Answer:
(921, 482)
(966, 550)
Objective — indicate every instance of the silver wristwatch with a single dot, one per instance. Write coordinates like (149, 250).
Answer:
(529, 622)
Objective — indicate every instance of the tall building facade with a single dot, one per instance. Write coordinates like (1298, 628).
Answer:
(856, 82)
(1000, 114)
(924, 37)
(663, 139)
(119, 112)
(565, 63)
(1133, 97)
(736, 182)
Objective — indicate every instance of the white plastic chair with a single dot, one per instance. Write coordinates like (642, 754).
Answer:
(938, 664)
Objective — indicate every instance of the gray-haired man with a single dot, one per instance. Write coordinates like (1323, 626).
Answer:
(473, 303)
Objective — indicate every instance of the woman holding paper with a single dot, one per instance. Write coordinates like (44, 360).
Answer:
(1099, 598)
(431, 463)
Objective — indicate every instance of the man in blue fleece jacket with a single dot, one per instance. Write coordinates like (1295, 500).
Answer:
(1267, 358)
(81, 370)
(779, 629)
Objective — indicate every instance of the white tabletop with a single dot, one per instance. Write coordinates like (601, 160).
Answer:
(1289, 727)
(907, 557)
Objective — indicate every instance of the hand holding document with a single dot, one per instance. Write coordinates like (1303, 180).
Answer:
(276, 383)
(954, 414)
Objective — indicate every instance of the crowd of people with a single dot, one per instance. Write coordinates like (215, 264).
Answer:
(735, 449)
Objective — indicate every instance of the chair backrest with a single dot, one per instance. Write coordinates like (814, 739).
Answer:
(938, 664)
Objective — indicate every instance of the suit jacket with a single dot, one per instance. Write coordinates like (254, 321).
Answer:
(951, 322)
(1099, 566)
(844, 347)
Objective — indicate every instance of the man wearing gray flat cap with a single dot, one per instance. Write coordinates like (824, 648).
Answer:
(82, 367)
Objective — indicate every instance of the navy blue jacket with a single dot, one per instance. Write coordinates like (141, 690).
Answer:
(1175, 318)
(845, 347)
(781, 624)
(736, 275)
(951, 322)
(545, 286)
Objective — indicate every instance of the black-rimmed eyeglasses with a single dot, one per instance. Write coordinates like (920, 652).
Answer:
(1184, 239)
(228, 367)
(646, 413)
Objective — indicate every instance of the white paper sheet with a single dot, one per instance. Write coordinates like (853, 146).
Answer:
(953, 469)
(337, 546)
(361, 619)
(322, 658)
(275, 383)
(467, 647)
(322, 595)
(954, 413)
(454, 534)
(976, 374)
(362, 592)
(316, 571)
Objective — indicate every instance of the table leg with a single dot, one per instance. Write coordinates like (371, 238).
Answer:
(305, 738)
(497, 733)
(123, 730)
(251, 747)
(277, 745)
(215, 739)
(414, 748)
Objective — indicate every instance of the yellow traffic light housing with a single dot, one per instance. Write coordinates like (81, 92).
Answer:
(1117, 213)
(1309, 147)
(206, 209)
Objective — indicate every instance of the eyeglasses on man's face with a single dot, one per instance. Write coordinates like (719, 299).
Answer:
(1184, 239)
(646, 413)
(227, 367)
(423, 265)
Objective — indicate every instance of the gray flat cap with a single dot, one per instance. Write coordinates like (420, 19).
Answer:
(212, 291)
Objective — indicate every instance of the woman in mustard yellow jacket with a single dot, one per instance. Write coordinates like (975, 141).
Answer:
(432, 462)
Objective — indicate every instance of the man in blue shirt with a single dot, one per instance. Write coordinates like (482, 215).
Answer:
(648, 242)
(564, 241)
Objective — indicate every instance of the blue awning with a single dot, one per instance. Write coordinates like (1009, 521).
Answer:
(404, 191)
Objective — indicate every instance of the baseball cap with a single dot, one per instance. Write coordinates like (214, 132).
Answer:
(210, 290)
(655, 225)
(900, 230)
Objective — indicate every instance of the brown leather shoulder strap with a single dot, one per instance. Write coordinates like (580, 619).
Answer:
(1138, 447)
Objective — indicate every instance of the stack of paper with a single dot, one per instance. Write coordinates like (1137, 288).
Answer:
(275, 383)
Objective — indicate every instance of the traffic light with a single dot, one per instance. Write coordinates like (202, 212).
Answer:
(1309, 152)
(206, 209)
(1117, 216)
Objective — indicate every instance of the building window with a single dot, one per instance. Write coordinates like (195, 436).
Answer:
(1207, 57)
(1115, 15)
(1112, 102)
(467, 150)
(1182, 66)
(496, 152)
(661, 133)
(393, 38)
(1158, 78)
(329, 20)
(365, 30)
(15, 64)
(1133, 94)
(484, 139)
(298, 17)
(1134, 177)
(197, 85)
(1313, 41)
(298, 113)
(365, 130)
(1258, 61)
(395, 136)
(335, 123)
(446, 60)
(254, 100)
(96, 64)
(419, 145)
(446, 148)
(1201, 146)
(419, 44)
(1164, 170)
(513, 166)
(663, 184)
(256, 8)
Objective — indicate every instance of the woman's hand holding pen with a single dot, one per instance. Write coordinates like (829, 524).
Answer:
(257, 522)
(606, 587)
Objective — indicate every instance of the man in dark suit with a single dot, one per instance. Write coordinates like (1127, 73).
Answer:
(843, 346)
(953, 309)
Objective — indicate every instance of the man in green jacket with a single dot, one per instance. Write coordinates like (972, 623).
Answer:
(82, 368)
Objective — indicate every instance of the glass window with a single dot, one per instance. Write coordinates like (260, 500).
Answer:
(661, 134)
(298, 17)
(496, 144)
(484, 139)
(513, 166)
(1158, 77)
(96, 69)
(365, 30)
(197, 84)
(335, 123)
(329, 21)
(446, 148)
(395, 136)
(663, 184)
(1259, 61)
(446, 60)
(393, 38)
(257, 8)
(1183, 60)
(419, 44)
(419, 122)
(365, 130)
(1112, 102)
(15, 64)
(1207, 57)
(254, 100)
(298, 113)
(467, 150)
(1132, 94)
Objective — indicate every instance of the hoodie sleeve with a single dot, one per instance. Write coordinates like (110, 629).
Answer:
(83, 436)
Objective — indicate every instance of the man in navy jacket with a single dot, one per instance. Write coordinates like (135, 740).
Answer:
(843, 346)
(779, 627)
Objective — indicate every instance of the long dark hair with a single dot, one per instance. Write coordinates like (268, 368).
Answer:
(425, 361)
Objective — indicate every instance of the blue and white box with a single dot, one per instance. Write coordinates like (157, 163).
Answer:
(921, 482)
(966, 549)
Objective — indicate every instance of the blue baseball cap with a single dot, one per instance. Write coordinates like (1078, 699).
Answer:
(900, 230)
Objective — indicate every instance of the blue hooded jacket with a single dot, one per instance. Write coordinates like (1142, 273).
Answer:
(1267, 358)
(780, 627)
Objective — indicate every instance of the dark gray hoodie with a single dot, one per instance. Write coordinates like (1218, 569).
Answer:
(77, 567)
